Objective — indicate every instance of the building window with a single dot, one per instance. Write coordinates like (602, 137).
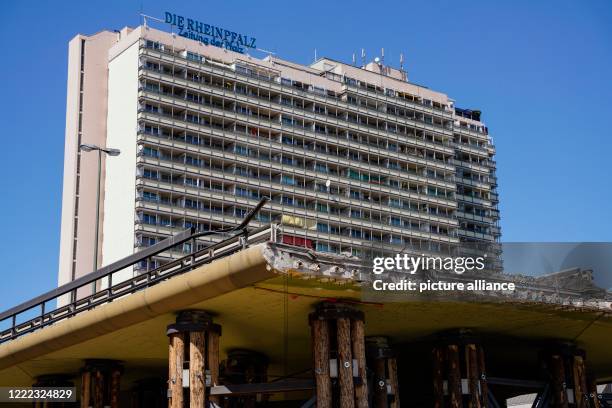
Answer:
(322, 247)
(194, 57)
(289, 180)
(149, 196)
(153, 45)
(149, 219)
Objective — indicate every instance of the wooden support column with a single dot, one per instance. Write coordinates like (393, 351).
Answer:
(378, 352)
(382, 362)
(581, 392)
(338, 330)
(454, 376)
(438, 378)
(359, 354)
(379, 388)
(213, 362)
(53, 380)
(567, 371)
(197, 375)
(320, 339)
(195, 337)
(345, 363)
(459, 359)
(98, 389)
(473, 374)
(592, 387)
(100, 380)
(393, 382)
(176, 353)
(85, 389)
(558, 382)
(243, 367)
(484, 387)
(115, 388)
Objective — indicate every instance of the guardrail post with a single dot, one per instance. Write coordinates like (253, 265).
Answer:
(194, 250)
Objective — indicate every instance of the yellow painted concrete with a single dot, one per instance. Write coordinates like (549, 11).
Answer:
(248, 301)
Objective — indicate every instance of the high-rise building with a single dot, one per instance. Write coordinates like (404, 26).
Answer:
(352, 157)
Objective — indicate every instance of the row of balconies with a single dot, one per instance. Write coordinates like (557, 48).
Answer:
(301, 105)
(220, 187)
(322, 205)
(384, 173)
(273, 82)
(257, 152)
(278, 123)
(175, 219)
(312, 150)
(220, 91)
(171, 218)
(424, 194)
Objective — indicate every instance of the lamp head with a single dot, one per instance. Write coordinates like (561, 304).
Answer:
(88, 147)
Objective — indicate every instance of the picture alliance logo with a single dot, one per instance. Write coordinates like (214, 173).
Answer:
(405, 263)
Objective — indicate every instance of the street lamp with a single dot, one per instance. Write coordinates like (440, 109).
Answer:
(110, 152)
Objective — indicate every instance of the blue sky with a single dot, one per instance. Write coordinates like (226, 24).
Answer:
(539, 71)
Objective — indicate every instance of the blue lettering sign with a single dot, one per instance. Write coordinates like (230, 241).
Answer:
(209, 34)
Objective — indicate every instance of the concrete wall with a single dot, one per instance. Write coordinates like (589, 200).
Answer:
(120, 187)
(81, 169)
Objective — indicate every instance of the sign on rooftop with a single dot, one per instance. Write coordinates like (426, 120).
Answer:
(209, 34)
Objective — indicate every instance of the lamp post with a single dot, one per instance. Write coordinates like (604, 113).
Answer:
(110, 152)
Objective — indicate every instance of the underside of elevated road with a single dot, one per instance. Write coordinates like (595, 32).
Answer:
(265, 310)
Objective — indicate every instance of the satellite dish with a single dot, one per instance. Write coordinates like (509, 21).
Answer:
(328, 183)
(377, 60)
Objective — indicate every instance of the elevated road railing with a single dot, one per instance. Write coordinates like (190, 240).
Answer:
(76, 297)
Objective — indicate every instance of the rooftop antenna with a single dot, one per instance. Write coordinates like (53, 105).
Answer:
(382, 55)
(315, 60)
(363, 57)
(145, 17)
(404, 76)
(270, 53)
(354, 60)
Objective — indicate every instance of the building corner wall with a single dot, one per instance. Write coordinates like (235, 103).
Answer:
(86, 105)
(120, 188)
(67, 239)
